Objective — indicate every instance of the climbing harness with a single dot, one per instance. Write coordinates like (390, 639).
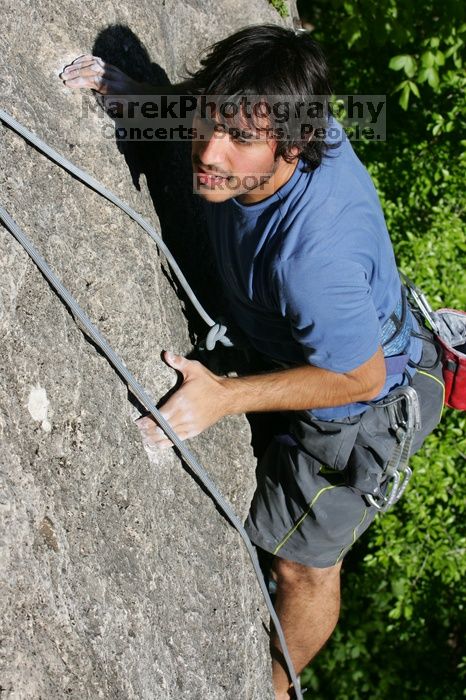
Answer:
(449, 329)
(402, 406)
(218, 333)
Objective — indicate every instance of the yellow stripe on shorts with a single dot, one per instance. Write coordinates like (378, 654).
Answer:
(303, 517)
(436, 379)
(348, 546)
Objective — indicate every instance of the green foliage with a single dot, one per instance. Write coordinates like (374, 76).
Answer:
(281, 7)
(415, 50)
(403, 626)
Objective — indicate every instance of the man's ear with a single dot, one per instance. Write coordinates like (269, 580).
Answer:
(295, 151)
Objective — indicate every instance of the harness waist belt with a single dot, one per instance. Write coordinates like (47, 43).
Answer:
(396, 335)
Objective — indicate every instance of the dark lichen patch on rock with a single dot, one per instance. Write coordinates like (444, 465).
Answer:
(47, 533)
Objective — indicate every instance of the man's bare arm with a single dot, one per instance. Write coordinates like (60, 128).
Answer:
(204, 398)
(305, 387)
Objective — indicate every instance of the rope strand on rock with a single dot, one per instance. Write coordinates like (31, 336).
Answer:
(217, 331)
(133, 384)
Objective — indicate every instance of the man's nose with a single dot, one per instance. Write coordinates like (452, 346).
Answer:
(214, 147)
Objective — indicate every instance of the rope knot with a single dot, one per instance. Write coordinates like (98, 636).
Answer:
(217, 333)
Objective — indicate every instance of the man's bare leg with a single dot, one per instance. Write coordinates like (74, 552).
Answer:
(307, 605)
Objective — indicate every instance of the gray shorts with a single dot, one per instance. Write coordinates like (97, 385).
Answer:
(310, 504)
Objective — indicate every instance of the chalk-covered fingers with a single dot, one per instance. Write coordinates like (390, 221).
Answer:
(200, 401)
(92, 72)
(152, 434)
(84, 61)
(84, 72)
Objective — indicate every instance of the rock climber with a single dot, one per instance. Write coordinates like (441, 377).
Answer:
(308, 269)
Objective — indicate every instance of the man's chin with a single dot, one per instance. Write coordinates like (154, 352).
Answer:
(215, 194)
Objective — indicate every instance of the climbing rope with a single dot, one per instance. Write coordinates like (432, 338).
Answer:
(133, 384)
(217, 330)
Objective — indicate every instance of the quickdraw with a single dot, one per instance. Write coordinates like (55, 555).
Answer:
(403, 409)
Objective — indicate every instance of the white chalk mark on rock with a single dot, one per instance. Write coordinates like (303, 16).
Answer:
(38, 407)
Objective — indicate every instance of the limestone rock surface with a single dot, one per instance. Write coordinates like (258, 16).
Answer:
(119, 577)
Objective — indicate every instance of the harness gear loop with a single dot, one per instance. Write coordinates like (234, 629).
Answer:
(404, 413)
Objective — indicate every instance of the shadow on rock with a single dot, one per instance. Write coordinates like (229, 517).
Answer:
(166, 166)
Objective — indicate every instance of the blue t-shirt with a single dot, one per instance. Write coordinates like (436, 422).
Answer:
(310, 272)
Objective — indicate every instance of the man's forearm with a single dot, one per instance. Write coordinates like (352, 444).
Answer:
(296, 389)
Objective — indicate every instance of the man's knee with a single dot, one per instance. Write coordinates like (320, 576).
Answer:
(291, 573)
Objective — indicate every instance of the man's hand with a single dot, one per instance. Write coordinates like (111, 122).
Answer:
(92, 72)
(200, 402)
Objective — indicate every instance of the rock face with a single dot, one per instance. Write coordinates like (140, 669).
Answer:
(119, 577)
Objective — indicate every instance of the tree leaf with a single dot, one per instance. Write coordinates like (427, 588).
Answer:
(427, 59)
(398, 62)
(410, 66)
(414, 88)
(432, 77)
(404, 98)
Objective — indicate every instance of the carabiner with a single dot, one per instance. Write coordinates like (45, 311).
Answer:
(403, 409)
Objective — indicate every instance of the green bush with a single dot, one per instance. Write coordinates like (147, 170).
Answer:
(402, 630)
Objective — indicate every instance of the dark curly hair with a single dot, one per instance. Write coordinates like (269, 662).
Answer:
(268, 60)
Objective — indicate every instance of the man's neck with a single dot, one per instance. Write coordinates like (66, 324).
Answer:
(279, 178)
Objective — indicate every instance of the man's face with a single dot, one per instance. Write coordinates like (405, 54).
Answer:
(229, 162)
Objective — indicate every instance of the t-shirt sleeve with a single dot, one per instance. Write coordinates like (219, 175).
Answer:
(329, 306)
